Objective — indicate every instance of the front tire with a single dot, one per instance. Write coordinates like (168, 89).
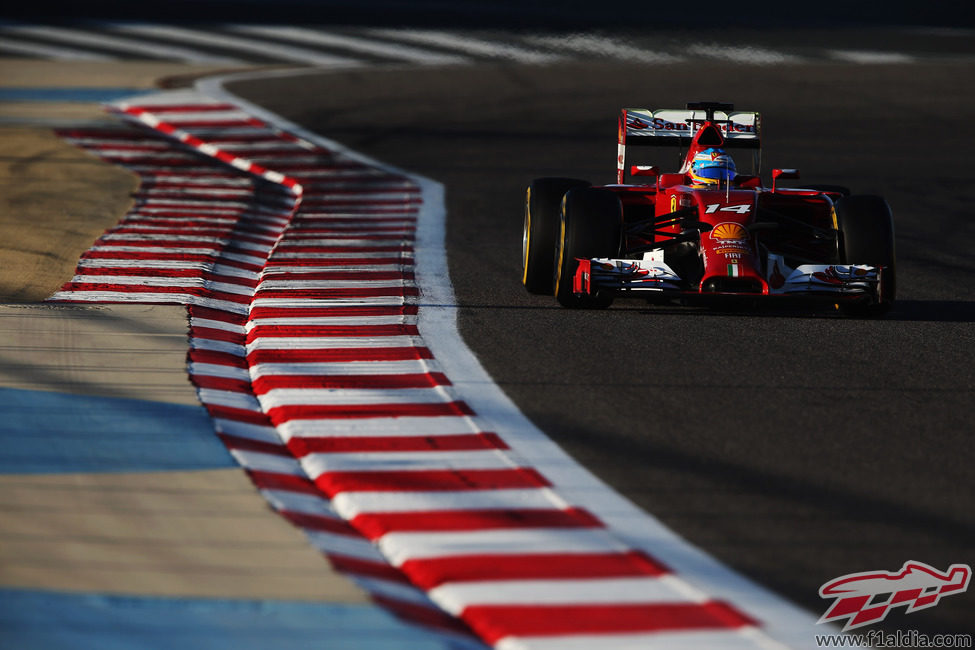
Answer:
(543, 204)
(866, 228)
(591, 226)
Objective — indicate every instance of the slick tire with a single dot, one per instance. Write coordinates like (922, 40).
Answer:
(543, 203)
(866, 228)
(591, 226)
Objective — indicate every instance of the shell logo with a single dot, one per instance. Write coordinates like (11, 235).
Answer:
(729, 230)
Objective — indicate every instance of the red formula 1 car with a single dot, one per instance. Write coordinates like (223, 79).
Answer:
(705, 233)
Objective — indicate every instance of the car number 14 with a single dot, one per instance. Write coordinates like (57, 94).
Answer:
(740, 209)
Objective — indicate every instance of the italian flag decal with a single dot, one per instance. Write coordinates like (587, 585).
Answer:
(733, 270)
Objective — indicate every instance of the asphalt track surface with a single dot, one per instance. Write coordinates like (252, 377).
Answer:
(794, 447)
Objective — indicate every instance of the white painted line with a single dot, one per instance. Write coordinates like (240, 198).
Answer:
(602, 46)
(121, 44)
(385, 49)
(467, 44)
(252, 46)
(869, 57)
(57, 52)
(747, 54)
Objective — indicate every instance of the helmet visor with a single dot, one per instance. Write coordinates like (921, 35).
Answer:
(715, 173)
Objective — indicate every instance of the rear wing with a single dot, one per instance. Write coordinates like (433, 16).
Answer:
(676, 127)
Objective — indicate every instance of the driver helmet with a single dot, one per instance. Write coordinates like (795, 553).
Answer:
(711, 166)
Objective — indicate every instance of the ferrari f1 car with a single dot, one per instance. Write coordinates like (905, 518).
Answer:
(705, 233)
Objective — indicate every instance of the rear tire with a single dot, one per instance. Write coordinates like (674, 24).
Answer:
(543, 203)
(866, 228)
(591, 226)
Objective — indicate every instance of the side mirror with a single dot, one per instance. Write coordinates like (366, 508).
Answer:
(783, 173)
(644, 170)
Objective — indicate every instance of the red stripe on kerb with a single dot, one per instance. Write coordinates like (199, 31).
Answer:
(338, 261)
(337, 312)
(351, 411)
(216, 358)
(286, 482)
(287, 247)
(376, 524)
(212, 334)
(447, 480)
(428, 573)
(185, 108)
(430, 616)
(419, 380)
(237, 415)
(210, 313)
(249, 444)
(345, 564)
(339, 354)
(364, 292)
(274, 331)
(320, 523)
(221, 383)
(344, 275)
(495, 622)
(302, 446)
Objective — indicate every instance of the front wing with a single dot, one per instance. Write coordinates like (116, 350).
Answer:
(837, 281)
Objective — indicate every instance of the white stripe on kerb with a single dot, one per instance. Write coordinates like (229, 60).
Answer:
(454, 597)
(740, 639)
(350, 396)
(355, 368)
(351, 504)
(400, 547)
(333, 342)
(322, 463)
(370, 427)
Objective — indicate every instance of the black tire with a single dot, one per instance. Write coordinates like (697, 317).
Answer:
(591, 226)
(866, 228)
(543, 203)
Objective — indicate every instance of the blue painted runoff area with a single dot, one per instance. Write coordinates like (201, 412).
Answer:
(51, 432)
(47, 620)
(66, 94)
